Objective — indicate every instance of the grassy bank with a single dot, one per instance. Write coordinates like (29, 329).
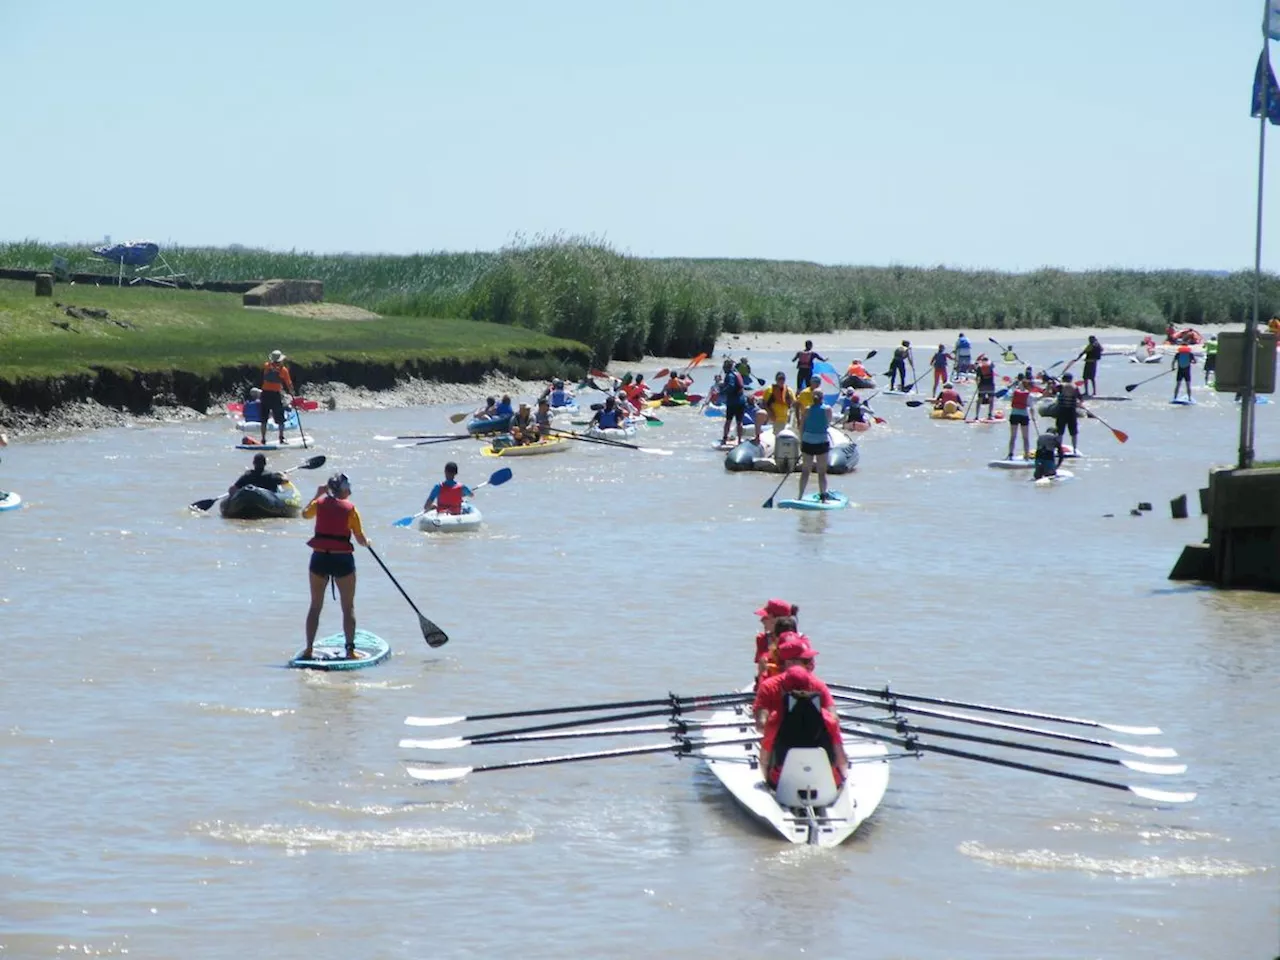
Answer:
(625, 306)
(202, 333)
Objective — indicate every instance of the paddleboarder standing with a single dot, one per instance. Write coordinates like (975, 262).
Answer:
(815, 443)
(1092, 353)
(275, 380)
(803, 360)
(333, 557)
(732, 388)
(1182, 361)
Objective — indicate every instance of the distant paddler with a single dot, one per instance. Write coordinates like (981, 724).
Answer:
(259, 477)
(1182, 361)
(778, 401)
(1069, 406)
(1092, 353)
(1211, 357)
(333, 557)
(608, 417)
(985, 371)
(804, 360)
(447, 496)
(732, 393)
(1019, 416)
(949, 400)
(275, 381)
(557, 395)
(964, 356)
(939, 363)
(898, 365)
(1048, 453)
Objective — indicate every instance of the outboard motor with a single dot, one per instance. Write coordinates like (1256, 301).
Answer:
(786, 451)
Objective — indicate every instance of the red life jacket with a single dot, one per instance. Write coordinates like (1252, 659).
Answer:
(333, 526)
(449, 499)
(804, 360)
(1019, 399)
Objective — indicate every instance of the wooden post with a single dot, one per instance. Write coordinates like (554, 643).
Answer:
(44, 284)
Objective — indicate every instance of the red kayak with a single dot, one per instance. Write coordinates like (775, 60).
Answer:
(298, 402)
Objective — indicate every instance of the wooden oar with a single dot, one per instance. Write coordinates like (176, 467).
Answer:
(568, 434)
(1118, 434)
(313, 464)
(1159, 796)
(681, 746)
(434, 636)
(674, 703)
(1129, 388)
(893, 696)
(496, 479)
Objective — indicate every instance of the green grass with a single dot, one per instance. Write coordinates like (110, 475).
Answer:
(625, 306)
(203, 332)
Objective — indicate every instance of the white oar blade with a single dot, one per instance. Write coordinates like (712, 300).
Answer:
(1161, 769)
(438, 774)
(1162, 796)
(379, 436)
(401, 446)
(1152, 752)
(444, 743)
(432, 721)
(655, 450)
(1131, 731)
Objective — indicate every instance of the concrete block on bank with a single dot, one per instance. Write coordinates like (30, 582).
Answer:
(1196, 563)
(1178, 507)
(280, 293)
(44, 284)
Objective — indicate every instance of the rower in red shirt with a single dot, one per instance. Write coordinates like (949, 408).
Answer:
(793, 651)
(798, 691)
(769, 615)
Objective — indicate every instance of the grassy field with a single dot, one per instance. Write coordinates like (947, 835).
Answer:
(625, 306)
(154, 329)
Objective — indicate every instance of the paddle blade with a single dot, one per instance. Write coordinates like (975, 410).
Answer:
(432, 721)
(915, 403)
(434, 636)
(655, 451)
(1162, 796)
(1120, 435)
(697, 360)
(405, 521)
(1130, 387)
(205, 504)
(313, 464)
(442, 775)
(499, 477)
(665, 371)
(446, 743)
(871, 353)
(458, 417)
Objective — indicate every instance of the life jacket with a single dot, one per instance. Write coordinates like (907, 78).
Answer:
(1067, 396)
(252, 411)
(449, 499)
(333, 526)
(856, 369)
(814, 427)
(802, 724)
(608, 419)
(559, 398)
(986, 374)
(1020, 398)
(1210, 348)
(731, 387)
(777, 402)
(804, 360)
(950, 396)
(939, 360)
(1093, 352)
(1183, 358)
(272, 376)
(674, 385)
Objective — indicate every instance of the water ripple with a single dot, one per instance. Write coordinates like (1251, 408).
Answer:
(1146, 868)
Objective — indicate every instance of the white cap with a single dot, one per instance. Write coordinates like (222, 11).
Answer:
(276, 356)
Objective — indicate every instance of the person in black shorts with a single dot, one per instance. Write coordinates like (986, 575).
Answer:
(1092, 353)
(1068, 397)
(986, 372)
(732, 392)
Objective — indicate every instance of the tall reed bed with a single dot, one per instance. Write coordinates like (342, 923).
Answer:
(623, 307)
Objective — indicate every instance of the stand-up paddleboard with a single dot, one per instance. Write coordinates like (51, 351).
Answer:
(289, 443)
(331, 653)
(9, 501)
(1069, 452)
(1018, 464)
(1258, 398)
(1091, 399)
(812, 501)
(1183, 401)
(1059, 477)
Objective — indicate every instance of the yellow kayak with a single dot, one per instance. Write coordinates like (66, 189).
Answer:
(553, 445)
(950, 411)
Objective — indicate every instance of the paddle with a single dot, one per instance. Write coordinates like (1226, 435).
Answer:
(415, 436)
(434, 636)
(443, 438)
(892, 695)
(298, 413)
(496, 479)
(682, 746)
(768, 504)
(1005, 349)
(673, 727)
(1118, 434)
(313, 464)
(610, 443)
(459, 417)
(1160, 796)
(674, 703)
(648, 418)
(905, 728)
(1134, 386)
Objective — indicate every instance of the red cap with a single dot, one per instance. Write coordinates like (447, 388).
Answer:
(794, 646)
(775, 608)
(1184, 349)
(797, 678)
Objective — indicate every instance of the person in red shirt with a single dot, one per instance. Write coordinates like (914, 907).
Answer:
(275, 380)
(949, 394)
(767, 662)
(793, 651)
(333, 556)
(1019, 419)
(796, 680)
(769, 615)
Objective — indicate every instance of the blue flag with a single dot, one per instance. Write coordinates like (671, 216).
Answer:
(1266, 95)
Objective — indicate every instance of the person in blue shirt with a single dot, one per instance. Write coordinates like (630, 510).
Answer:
(608, 417)
(964, 356)
(1182, 361)
(732, 394)
(446, 497)
(252, 412)
(504, 408)
(815, 443)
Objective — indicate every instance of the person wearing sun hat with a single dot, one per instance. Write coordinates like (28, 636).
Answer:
(800, 690)
(333, 556)
(793, 651)
(275, 380)
(769, 615)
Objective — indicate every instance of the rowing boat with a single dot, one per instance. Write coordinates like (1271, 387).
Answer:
(737, 767)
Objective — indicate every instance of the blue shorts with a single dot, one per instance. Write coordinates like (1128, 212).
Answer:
(336, 565)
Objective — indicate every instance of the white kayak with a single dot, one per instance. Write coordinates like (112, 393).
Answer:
(469, 519)
(289, 443)
(9, 501)
(737, 767)
(612, 433)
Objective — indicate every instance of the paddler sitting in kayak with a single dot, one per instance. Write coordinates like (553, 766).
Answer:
(676, 387)
(637, 392)
(856, 369)
(542, 419)
(504, 406)
(558, 396)
(258, 477)
(608, 417)
(523, 427)
(488, 412)
(949, 400)
(446, 497)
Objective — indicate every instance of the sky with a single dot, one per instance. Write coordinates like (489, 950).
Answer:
(1006, 135)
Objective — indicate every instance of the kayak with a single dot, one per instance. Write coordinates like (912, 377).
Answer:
(565, 408)
(1012, 464)
(812, 501)
(553, 445)
(258, 503)
(858, 383)
(290, 423)
(298, 403)
(1059, 477)
(330, 653)
(9, 501)
(612, 433)
(469, 519)
(944, 414)
(481, 425)
(289, 443)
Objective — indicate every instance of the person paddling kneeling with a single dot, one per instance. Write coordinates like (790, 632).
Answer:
(333, 557)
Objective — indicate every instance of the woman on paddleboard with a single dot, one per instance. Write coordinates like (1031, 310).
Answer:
(1019, 419)
(815, 443)
(333, 557)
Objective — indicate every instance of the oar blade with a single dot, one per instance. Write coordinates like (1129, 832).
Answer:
(432, 721)
(314, 463)
(405, 521)
(1162, 796)
(440, 775)
(458, 417)
(1131, 731)
(499, 477)
(434, 636)
(1153, 753)
(1159, 769)
(655, 451)
(205, 504)
(444, 743)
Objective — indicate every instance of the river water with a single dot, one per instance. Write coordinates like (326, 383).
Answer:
(170, 790)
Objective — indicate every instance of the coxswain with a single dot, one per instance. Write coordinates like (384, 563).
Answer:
(1092, 353)
(732, 392)
(446, 496)
(1019, 416)
(1068, 399)
(801, 719)
(949, 400)
(986, 386)
(275, 380)
(1048, 453)
(803, 360)
(778, 400)
(333, 557)
(939, 363)
(607, 417)
(1182, 361)
(259, 477)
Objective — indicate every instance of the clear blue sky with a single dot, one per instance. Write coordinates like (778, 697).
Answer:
(1009, 135)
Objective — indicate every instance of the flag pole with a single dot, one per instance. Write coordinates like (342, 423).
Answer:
(1247, 401)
